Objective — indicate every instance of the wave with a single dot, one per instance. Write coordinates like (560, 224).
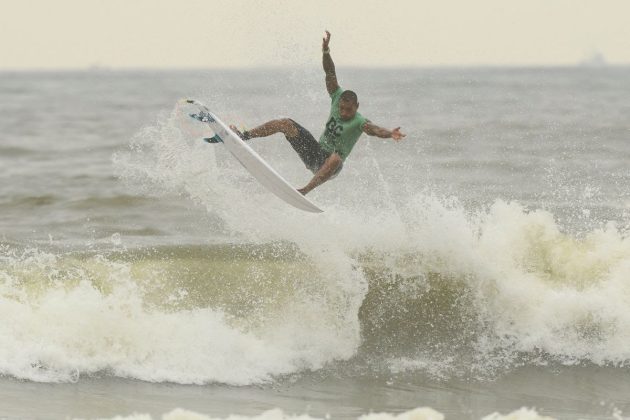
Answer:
(475, 297)
(15, 151)
(421, 413)
(122, 201)
(150, 317)
(403, 282)
(117, 201)
(30, 201)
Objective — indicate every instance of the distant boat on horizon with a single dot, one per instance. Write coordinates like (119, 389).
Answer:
(594, 59)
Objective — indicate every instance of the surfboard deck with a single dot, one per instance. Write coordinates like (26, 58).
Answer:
(251, 161)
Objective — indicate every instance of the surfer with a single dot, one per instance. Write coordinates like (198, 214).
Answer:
(343, 128)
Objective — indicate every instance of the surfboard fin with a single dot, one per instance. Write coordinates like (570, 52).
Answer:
(213, 139)
(202, 116)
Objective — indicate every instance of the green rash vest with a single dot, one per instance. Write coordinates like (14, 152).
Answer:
(340, 136)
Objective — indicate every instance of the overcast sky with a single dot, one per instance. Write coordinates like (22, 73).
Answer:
(237, 33)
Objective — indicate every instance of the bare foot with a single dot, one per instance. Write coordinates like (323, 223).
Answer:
(238, 132)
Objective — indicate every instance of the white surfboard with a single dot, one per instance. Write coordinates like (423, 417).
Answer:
(251, 161)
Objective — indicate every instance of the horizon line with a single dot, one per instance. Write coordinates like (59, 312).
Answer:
(105, 68)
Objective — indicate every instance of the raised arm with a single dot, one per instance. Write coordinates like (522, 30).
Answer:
(329, 66)
(374, 130)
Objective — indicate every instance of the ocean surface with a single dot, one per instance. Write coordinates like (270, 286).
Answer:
(480, 266)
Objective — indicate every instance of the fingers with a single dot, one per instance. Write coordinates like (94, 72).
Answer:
(326, 38)
(397, 135)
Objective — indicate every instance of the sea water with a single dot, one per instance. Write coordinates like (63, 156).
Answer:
(479, 266)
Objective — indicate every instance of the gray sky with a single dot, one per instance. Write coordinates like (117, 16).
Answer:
(238, 33)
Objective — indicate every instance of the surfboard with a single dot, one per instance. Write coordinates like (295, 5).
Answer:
(251, 161)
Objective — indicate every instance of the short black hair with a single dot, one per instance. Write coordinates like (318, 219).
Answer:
(349, 96)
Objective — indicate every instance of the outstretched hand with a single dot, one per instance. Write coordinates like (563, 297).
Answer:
(397, 135)
(326, 41)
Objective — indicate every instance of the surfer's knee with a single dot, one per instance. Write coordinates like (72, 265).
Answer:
(287, 126)
(335, 159)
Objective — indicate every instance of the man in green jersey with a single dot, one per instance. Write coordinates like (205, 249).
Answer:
(344, 127)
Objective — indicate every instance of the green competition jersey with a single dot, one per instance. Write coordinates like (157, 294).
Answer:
(340, 136)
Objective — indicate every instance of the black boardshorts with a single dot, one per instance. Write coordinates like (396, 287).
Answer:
(309, 149)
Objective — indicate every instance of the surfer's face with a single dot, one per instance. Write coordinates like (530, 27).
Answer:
(348, 109)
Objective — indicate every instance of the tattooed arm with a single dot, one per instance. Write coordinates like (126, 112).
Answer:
(374, 130)
(329, 66)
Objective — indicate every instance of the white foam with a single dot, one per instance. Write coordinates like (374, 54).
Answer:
(96, 319)
(520, 414)
(421, 413)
